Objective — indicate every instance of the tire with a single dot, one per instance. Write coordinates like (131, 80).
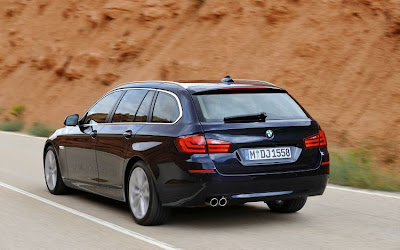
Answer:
(287, 206)
(52, 173)
(143, 200)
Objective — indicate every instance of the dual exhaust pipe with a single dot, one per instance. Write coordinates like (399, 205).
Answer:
(222, 202)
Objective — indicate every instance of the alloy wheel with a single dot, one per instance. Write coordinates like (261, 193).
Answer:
(139, 193)
(50, 169)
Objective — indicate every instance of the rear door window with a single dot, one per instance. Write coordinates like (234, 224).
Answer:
(99, 112)
(129, 105)
(143, 111)
(166, 109)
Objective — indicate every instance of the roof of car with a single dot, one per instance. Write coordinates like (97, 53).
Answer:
(194, 86)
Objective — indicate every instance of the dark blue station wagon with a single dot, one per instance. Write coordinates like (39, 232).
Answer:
(163, 144)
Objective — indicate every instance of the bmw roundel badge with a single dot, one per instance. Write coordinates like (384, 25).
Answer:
(269, 134)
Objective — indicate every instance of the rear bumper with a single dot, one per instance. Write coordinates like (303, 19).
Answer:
(200, 188)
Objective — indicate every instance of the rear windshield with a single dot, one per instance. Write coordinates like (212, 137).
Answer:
(276, 106)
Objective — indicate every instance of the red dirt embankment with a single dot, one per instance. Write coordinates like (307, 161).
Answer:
(339, 58)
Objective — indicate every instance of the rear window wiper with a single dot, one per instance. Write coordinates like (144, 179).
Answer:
(260, 117)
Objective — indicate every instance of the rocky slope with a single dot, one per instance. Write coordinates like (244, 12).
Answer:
(339, 58)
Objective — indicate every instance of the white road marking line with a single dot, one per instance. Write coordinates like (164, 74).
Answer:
(23, 135)
(93, 219)
(363, 192)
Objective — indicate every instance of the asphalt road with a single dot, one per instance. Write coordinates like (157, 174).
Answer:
(30, 217)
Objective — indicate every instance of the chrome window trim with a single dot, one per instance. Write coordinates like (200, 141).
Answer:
(179, 105)
(131, 123)
(94, 104)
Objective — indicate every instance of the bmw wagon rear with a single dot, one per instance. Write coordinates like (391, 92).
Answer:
(257, 144)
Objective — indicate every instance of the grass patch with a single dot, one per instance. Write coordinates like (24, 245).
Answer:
(40, 129)
(15, 125)
(17, 110)
(357, 168)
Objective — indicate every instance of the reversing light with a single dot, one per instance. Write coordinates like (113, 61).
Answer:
(197, 144)
(318, 140)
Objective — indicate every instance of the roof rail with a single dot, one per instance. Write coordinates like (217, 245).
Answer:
(257, 81)
(147, 81)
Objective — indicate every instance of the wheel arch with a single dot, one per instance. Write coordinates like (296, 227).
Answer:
(47, 145)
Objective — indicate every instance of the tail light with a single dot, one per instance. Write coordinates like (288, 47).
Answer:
(322, 139)
(318, 140)
(197, 144)
(217, 146)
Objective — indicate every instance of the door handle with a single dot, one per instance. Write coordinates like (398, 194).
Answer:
(127, 134)
(93, 134)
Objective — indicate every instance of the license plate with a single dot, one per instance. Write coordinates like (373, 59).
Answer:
(268, 153)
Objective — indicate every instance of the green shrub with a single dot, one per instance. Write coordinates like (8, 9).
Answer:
(15, 125)
(39, 129)
(357, 168)
(17, 110)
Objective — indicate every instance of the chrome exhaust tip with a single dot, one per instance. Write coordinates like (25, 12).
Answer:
(214, 202)
(223, 201)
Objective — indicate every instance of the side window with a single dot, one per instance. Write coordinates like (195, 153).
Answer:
(100, 110)
(129, 105)
(143, 111)
(166, 109)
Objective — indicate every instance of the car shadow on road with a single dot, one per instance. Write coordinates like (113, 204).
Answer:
(98, 200)
(217, 217)
(237, 215)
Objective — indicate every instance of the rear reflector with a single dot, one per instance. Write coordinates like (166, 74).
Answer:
(325, 163)
(318, 140)
(197, 144)
(203, 171)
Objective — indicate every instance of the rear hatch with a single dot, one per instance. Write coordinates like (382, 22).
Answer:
(265, 127)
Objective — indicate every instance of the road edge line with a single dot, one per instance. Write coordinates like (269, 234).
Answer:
(362, 191)
(23, 135)
(110, 225)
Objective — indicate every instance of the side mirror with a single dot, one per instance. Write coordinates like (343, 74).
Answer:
(71, 120)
